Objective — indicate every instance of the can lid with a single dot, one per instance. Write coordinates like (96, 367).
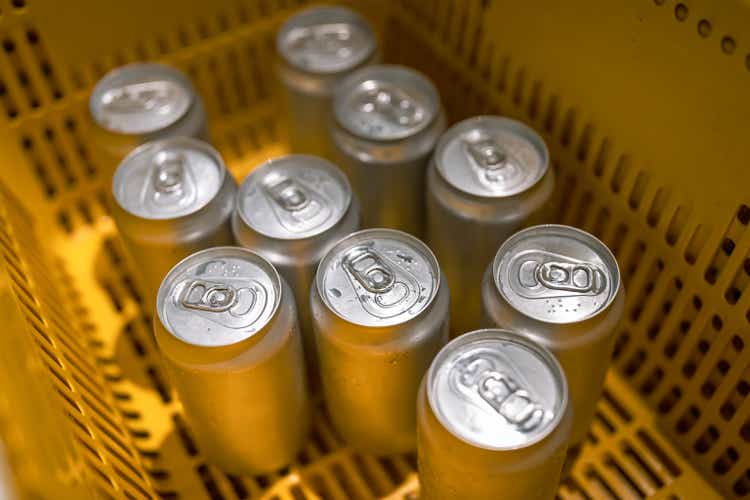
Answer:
(378, 277)
(326, 40)
(168, 178)
(294, 197)
(497, 390)
(491, 156)
(218, 296)
(556, 274)
(386, 103)
(141, 98)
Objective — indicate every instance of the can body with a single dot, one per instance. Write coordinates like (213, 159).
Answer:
(371, 364)
(467, 220)
(292, 210)
(317, 48)
(163, 213)
(387, 120)
(140, 103)
(241, 383)
(574, 315)
(456, 463)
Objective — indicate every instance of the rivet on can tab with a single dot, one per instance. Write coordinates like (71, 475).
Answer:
(298, 207)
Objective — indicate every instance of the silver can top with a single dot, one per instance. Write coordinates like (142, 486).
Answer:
(491, 157)
(497, 390)
(294, 197)
(218, 296)
(378, 277)
(326, 40)
(141, 98)
(556, 274)
(386, 103)
(168, 178)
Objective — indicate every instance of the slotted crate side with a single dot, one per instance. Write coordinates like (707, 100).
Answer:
(684, 258)
(66, 408)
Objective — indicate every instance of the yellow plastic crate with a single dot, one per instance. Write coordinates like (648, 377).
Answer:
(643, 104)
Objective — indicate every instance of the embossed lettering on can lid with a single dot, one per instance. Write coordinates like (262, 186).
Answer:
(556, 274)
(386, 103)
(378, 277)
(497, 390)
(168, 178)
(141, 98)
(294, 197)
(219, 296)
(491, 157)
(326, 40)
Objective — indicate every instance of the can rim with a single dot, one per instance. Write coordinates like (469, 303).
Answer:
(254, 257)
(362, 234)
(561, 229)
(164, 70)
(500, 334)
(322, 163)
(326, 13)
(528, 133)
(349, 84)
(184, 141)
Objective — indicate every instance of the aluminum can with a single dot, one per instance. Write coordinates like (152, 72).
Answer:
(387, 120)
(560, 287)
(292, 210)
(317, 48)
(380, 314)
(489, 177)
(143, 102)
(172, 198)
(227, 331)
(493, 420)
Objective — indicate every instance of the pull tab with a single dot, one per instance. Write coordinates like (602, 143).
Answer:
(369, 270)
(392, 104)
(324, 39)
(170, 183)
(494, 165)
(147, 97)
(383, 288)
(297, 207)
(225, 304)
(578, 278)
(289, 195)
(538, 274)
(206, 296)
(478, 376)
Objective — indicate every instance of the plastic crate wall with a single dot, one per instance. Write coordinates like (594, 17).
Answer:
(640, 102)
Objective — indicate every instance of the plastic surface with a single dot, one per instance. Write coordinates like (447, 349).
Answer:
(645, 116)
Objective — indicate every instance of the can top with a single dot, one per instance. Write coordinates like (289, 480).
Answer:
(378, 277)
(169, 178)
(218, 296)
(385, 103)
(294, 197)
(141, 98)
(326, 40)
(491, 157)
(497, 390)
(556, 274)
